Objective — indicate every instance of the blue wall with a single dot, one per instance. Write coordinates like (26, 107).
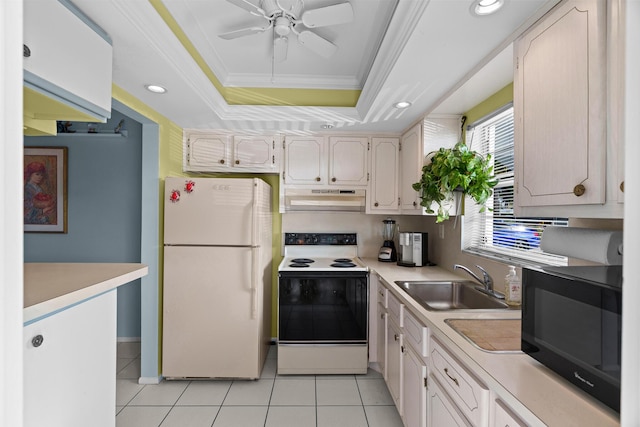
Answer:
(104, 208)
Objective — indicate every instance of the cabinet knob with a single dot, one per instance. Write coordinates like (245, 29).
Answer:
(375, 204)
(382, 316)
(318, 179)
(396, 337)
(579, 190)
(415, 204)
(622, 186)
(26, 52)
(37, 340)
(237, 162)
(222, 161)
(402, 349)
(333, 179)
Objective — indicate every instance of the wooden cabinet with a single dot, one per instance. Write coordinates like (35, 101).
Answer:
(415, 144)
(381, 334)
(560, 111)
(59, 89)
(384, 195)
(414, 386)
(468, 394)
(441, 410)
(394, 362)
(219, 152)
(70, 365)
(321, 161)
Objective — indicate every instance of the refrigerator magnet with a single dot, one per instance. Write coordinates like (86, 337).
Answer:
(189, 186)
(175, 196)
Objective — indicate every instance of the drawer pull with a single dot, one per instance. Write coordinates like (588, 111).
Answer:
(396, 337)
(455, 380)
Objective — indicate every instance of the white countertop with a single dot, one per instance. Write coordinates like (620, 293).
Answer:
(50, 287)
(516, 378)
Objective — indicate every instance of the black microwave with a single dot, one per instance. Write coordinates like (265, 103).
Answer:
(572, 323)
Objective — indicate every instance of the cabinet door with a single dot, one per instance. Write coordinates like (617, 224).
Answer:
(207, 152)
(254, 153)
(411, 162)
(560, 108)
(504, 417)
(414, 386)
(305, 160)
(381, 323)
(394, 363)
(69, 375)
(348, 161)
(441, 411)
(384, 194)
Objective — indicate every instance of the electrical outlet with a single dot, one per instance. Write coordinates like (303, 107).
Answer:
(441, 231)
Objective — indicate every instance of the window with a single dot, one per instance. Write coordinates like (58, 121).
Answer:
(497, 233)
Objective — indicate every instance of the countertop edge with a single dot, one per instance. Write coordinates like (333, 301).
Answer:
(502, 372)
(77, 286)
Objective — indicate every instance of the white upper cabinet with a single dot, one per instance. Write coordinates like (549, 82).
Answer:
(207, 151)
(66, 58)
(305, 160)
(316, 160)
(348, 157)
(560, 108)
(383, 196)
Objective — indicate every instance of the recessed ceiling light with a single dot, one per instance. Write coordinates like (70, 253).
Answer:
(327, 126)
(486, 7)
(155, 88)
(402, 104)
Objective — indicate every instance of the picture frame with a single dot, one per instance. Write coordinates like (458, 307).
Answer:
(45, 189)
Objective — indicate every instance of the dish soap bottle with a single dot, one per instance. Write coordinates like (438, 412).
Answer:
(513, 286)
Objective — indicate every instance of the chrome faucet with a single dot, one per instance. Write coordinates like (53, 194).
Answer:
(486, 281)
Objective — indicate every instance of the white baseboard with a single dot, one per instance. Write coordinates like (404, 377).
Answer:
(128, 339)
(149, 380)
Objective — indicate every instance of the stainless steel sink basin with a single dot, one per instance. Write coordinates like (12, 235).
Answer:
(450, 295)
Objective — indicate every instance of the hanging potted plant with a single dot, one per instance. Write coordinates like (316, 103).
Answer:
(456, 169)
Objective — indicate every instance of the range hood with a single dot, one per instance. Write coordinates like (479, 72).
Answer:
(324, 200)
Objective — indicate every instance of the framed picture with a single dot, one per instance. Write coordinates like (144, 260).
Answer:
(45, 189)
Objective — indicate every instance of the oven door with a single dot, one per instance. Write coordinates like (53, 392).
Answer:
(574, 328)
(323, 307)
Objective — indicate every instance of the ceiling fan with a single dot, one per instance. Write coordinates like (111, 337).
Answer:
(285, 21)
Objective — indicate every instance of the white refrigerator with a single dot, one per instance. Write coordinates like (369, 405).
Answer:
(217, 277)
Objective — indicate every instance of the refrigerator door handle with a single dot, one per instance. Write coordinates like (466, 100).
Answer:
(255, 263)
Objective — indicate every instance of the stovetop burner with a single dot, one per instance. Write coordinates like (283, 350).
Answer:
(343, 264)
(299, 265)
(342, 260)
(302, 261)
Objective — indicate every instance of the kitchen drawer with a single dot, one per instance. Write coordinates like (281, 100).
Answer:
(470, 395)
(416, 334)
(504, 417)
(382, 293)
(396, 309)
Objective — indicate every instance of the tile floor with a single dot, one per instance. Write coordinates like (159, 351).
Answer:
(273, 400)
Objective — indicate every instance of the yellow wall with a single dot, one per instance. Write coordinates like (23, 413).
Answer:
(489, 105)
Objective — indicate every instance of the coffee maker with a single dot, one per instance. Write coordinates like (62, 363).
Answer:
(413, 249)
(388, 250)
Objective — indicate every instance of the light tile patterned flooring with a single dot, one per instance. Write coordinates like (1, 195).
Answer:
(271, 401)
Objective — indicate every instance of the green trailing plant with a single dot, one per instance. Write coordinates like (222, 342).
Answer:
(455, 169)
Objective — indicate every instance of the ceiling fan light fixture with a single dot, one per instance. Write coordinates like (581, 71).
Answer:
(155, 88)
(327, 126)
(402, 105)
(486, 7)
(282, 26)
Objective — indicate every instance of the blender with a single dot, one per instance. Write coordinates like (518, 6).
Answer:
(388, 250)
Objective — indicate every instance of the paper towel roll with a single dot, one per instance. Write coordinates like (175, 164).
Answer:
(602, 246)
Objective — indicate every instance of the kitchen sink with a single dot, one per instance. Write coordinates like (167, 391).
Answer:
(450, 295)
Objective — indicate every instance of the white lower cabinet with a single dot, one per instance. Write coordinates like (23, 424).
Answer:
(381, 330)
(414, 388)
(394, 362)
(70, 365)
(465, 391)
(441, 409)
(504, 417)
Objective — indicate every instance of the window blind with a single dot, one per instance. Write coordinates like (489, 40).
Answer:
(497, 233)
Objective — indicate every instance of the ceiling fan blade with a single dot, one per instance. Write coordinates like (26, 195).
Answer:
(280, 47)
(331, 15)
(243, 32)
(317, 44)
(248, 6)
